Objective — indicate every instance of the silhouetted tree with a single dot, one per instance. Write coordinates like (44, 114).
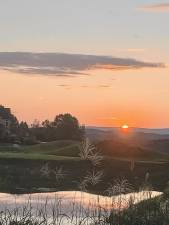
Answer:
(36, 124)
(68, 127)
(64, 126)
(46, 124)
(24, 129)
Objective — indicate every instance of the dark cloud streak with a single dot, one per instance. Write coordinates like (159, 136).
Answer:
(62, 64)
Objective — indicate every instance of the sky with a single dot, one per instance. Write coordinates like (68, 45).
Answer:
(104, 61)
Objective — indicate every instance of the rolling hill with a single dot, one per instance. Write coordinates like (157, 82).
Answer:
(102, 133)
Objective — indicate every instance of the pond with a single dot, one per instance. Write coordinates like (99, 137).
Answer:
(67, 207)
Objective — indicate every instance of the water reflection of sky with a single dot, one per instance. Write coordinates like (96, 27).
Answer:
(69, 199)
(66, 208)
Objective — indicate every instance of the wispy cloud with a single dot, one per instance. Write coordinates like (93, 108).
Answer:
(104, 86)
(161, 7)
(62, 64)
(68, 86)
(63, 85)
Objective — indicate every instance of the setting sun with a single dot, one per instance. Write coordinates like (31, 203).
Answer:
(125, 127)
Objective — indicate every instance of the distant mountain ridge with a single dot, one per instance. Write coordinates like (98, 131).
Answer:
(161, 131)
(107, 133)
(156, 140)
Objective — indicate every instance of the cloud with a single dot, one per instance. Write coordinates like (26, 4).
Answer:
(62, 64)
(162, 7)
(104, 86)
(63, 85)
(68, 86)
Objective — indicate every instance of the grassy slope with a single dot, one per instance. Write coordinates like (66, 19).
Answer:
(125, 151)
(69, 150)
(148, 212)
(20, 167)
(57, 150)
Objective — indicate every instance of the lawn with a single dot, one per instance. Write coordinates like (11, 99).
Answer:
(57, 150)
(20, 167)
(68, 149)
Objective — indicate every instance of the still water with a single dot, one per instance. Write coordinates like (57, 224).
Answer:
(69, 207)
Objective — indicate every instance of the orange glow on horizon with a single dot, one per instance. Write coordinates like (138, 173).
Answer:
(43, 97)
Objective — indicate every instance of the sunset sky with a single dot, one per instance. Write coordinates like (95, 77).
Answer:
(104, 61)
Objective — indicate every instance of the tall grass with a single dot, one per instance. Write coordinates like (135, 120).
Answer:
(151, 212)
(114, 210)
(117, 209)
(53, 214)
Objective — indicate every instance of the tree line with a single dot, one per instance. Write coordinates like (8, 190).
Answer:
(63, 127)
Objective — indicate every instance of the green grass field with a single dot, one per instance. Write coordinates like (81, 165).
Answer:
(69, 150)
(20, 167)
(57, 150)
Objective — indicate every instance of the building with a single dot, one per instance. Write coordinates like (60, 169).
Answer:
(4, 121)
